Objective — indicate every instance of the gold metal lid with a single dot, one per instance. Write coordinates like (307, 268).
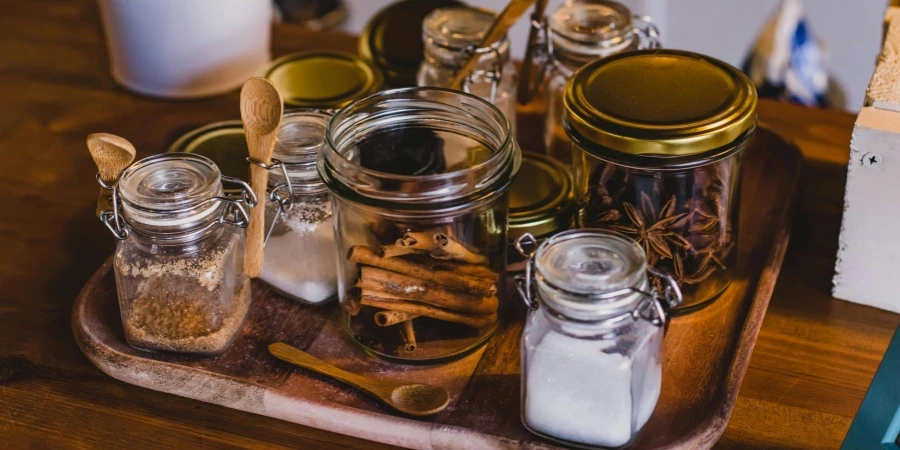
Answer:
(540, 199)
(659, 102)
(222, 142)
(392, 39)
(323, 79)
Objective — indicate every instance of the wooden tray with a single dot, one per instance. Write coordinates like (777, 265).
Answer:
(705, 353)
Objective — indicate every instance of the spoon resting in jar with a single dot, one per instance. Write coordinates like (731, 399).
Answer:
(261, 110)
(411, 399)
(112, 154)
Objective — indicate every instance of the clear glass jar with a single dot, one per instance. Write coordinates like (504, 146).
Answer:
(659, 159)
(577, 33)
(420, 178)
(299, 260)
(451, 36)
(179, 262)
(592, 342)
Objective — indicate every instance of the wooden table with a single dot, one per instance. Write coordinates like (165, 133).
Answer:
(813, 363)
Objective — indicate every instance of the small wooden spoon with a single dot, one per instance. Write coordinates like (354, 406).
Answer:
(112, 154)
(504, 21)
(412, 399)
(261, 110)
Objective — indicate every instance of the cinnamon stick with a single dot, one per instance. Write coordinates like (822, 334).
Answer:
(411, 288)
(390, 303)
(470, 270)
(419, 240)
(453, 249)
(365, 255)
(409, 336)
(388, 318)
(394, 250)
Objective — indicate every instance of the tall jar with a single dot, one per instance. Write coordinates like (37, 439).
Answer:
(575, 34)
(419, 178)
(299, 260)
(591, 347)
(451, 37)
(659, 159)
(179, 261)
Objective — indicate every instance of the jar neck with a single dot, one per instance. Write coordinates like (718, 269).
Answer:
(428, 126)
(573, 54)
(451, 58)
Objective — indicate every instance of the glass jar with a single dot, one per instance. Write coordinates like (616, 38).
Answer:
(592, 342)
(451, 37)
(420, 178)
(179, 261)
(659, 159)
(575, 34)
(299, 260)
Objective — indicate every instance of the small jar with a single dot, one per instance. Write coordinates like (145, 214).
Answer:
(659, 159)
(419, 178)
(179, 261)
(592, 342)
(451, 37)
(575, 34)
(299, 260)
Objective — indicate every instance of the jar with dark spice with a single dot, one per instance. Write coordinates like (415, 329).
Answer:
(179, 261)
(658, 158)
(419, 178)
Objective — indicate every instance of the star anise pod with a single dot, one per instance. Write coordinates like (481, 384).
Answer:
(702, 272)
(659, 237)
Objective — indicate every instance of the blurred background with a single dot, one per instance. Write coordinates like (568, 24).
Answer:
(849, 31)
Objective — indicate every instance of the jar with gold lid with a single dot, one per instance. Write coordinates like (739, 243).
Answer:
(574, 34)
(659, 159)
(451, 36)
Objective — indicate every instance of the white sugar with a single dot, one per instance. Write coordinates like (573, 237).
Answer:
(577, 392)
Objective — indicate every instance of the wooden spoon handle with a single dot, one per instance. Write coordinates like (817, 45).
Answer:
(253, 255)
(300, 358)
(504, 21)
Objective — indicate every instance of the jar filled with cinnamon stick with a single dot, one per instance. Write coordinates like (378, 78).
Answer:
(658, 159)
(419, 179)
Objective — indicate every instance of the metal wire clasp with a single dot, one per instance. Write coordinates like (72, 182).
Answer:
(234, 212)
(651, 309)
(647, 30)
(493, 76)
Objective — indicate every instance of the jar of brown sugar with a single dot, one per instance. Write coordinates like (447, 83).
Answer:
(179, 260)
(658, 158)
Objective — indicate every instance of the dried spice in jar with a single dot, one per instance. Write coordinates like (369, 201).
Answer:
(659, 159)
(419, 179)
(179, 261)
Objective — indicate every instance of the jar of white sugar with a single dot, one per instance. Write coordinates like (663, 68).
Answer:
(591, 366)
(299, 258)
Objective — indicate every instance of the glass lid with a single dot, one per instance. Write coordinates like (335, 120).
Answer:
(457, 28)
(592, 22)
(170, 181)
(590, 261)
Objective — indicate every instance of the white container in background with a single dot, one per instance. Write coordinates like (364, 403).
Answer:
(186, 48)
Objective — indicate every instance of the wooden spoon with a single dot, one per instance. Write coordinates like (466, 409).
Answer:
(261, 110)
(412, 399)
(507, 18)
(112, 154)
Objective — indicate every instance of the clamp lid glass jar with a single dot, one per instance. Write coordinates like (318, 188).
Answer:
(299, 259)
(419, 178)
(659, 158)
(451, 37)
(591, 347)
(576, 33)
(179, 261)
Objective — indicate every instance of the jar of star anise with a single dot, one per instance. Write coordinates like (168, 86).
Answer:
(658, 138)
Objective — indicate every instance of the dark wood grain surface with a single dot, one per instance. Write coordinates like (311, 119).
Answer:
(813, 361)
